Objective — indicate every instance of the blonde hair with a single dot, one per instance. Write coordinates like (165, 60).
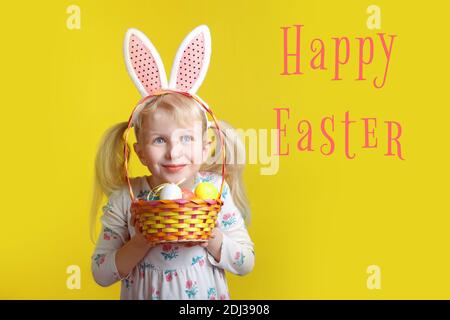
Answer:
(109, 162)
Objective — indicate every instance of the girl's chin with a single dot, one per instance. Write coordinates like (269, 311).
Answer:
(173, 178)
(176, 178)
(175, 175)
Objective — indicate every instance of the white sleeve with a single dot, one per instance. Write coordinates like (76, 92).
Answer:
(237, 253)
(113, 236)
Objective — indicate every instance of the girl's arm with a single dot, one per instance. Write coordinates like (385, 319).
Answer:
(132, 253)
(115, 254)
(236, 253)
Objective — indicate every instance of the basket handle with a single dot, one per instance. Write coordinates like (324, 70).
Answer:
(203, 105)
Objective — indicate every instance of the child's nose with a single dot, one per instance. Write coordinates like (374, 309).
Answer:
(174, 151)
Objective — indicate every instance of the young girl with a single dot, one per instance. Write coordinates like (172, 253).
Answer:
(172, 142)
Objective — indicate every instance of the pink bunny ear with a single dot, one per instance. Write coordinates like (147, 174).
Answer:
(143, 63)
(191, 61)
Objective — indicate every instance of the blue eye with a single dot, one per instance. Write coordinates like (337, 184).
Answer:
(158, 140)
(187, 138)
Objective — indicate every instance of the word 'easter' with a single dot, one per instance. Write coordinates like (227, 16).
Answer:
(327, 131)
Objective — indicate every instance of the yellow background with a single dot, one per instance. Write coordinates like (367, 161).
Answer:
(317, 224)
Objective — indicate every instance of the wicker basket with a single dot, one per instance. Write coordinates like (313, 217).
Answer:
(177, 220)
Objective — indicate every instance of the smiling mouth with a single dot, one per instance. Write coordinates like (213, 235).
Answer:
(174, 168)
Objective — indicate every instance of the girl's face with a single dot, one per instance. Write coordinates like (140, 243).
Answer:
(170, 151)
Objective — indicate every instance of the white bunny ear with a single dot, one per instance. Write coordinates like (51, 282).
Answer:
(191, 61)
(143, 63)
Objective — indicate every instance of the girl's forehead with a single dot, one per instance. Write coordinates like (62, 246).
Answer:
(164, 122)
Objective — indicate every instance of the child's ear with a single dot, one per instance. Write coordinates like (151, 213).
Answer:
(138, 149)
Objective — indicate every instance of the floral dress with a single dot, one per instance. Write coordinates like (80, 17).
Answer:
(172, 271)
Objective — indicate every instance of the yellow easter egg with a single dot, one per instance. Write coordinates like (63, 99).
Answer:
(206, 190)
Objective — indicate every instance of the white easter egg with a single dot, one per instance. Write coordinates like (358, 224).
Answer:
(170, 192)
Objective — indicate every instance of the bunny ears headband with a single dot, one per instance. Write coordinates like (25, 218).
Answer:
(147, 71)
(188, 72)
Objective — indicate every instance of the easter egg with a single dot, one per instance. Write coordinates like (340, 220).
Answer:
(187, 194)
(206, 190)
(170, 192)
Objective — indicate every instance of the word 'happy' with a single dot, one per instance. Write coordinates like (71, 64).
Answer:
(342, 48)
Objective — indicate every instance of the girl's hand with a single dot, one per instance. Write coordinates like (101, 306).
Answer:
(205, 243)
(213, 245)
(139, 237)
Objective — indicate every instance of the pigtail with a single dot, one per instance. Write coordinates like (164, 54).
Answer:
(235, 164)
(109, 169)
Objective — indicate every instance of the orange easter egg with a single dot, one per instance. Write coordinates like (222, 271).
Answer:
(187, 194)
